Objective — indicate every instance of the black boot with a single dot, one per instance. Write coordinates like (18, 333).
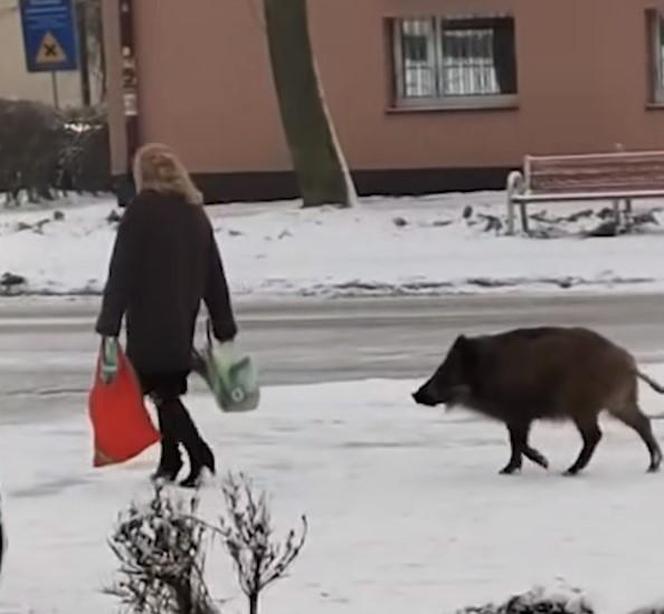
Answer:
(170, 462)
(203, 458)
(200, 454)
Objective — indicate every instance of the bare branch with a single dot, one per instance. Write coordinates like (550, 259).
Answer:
(161, 549)
(247, 534)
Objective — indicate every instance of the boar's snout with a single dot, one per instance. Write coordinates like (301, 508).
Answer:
(424, 397)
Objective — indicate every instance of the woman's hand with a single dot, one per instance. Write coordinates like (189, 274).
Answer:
(109, 359)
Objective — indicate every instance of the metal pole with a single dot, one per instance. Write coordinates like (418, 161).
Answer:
(54, 82)
(82, 18)
(129, 82)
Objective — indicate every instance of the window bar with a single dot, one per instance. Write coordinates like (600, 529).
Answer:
(475, 48)
(403, 70)
(431, 58)
(427, 68)
(442, 67)
(415, 67)
(660, 56)
(419, 70)
(452, 68)
(464, 46)
(486, 87)
(476, 59)
(404, 51)
(438, 83)
(489, 64)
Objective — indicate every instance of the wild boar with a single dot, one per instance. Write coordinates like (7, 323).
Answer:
(544, 373)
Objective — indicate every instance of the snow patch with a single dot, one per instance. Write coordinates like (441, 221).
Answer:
(385, 246)
(405, 508)
(538, 601)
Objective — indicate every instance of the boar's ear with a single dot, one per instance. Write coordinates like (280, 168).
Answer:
(460, 343)
(466, 350)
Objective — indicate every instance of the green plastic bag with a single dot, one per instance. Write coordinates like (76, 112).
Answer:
(232, 379)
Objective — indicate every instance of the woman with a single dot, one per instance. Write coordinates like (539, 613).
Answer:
(165, 261)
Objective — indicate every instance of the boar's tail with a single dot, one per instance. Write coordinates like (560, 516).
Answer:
(656, 386)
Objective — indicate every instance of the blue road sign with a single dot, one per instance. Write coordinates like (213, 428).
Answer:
(49, 35)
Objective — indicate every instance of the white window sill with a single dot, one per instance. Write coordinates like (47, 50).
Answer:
(490, 103)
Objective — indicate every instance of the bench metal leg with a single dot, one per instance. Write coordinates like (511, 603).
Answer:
(511, 214)
(515, 185)
(616, 212)
(628, 213)
(524, 218)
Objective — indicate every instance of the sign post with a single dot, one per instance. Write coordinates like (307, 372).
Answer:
(54, 85)
(129, 93)
(49, 35)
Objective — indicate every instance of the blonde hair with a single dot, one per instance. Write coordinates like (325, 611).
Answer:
(156, 167)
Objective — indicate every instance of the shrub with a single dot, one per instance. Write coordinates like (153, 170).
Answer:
(43, 151)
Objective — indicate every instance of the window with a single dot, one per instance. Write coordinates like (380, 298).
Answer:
(656, 20)
(454, 62)
(419, 66)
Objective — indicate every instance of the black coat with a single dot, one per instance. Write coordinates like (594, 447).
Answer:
(165, 261)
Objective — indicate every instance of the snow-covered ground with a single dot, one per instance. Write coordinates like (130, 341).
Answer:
(384, 246)
(406, 511)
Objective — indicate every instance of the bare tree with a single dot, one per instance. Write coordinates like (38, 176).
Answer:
(247, 535)
(161, 549)
(91, 51)
(317, 157)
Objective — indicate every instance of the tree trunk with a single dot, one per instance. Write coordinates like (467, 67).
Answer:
(253, 603)
(317, 158)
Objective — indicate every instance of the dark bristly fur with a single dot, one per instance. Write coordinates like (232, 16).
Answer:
(544, 373)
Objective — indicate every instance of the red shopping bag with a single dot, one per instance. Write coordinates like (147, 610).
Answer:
(120, 422)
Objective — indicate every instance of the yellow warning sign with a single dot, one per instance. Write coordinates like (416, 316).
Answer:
(50, 51)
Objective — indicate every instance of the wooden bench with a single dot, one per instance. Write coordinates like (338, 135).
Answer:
(615, 177)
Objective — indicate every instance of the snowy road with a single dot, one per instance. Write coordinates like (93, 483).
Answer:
(406, 509)
(47, 347)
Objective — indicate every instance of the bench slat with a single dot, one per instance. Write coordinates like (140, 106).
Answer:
(532, 197)
(593, 174)
(562, 184)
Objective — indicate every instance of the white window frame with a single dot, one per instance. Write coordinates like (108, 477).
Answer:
(402, 102)
(431, 50)
(656, 22)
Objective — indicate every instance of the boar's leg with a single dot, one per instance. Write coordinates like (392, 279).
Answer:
(591, 435)
(536, 456)
(519, 443)
(636, 419)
